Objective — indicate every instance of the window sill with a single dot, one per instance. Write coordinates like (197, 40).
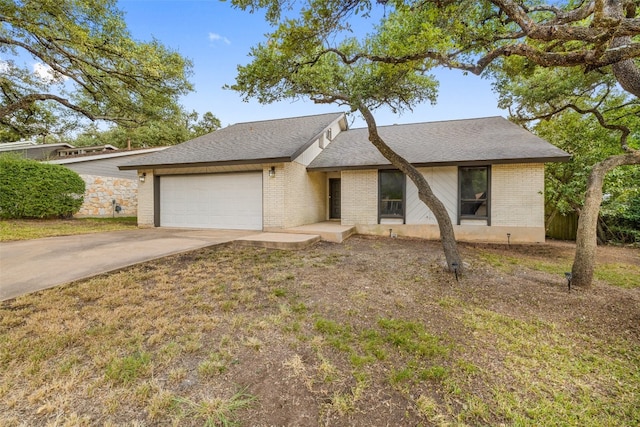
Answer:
(392, 220)
(474, 221)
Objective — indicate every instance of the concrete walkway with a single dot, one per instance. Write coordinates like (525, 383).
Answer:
(32, 265)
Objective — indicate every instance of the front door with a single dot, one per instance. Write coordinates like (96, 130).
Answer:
(334, 198)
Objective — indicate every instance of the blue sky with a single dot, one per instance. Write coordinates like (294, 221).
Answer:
(216, 38)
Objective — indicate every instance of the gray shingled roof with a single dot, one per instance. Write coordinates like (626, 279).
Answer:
(491, 139)
(243, 143)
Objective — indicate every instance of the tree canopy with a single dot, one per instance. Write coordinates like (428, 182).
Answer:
(586, 114)
(156, 133)
(87, 64)
(473, 35)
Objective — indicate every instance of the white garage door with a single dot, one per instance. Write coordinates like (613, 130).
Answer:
(227, 201)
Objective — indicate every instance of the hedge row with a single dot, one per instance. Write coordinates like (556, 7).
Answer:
(30, 189)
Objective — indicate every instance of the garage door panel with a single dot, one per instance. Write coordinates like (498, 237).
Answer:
(230, 201)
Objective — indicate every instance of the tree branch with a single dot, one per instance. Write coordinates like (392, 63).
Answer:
(28, 100)
(563, 16)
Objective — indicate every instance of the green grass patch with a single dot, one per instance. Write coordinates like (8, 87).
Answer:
(554, 376)
(509, 263)
(125, 370)
(215, 364)
(401, 376)
(279, 292)
(338, 336)
(623, 275)
(36, 229)
(373, 344)
(434, 373)
(411, 337)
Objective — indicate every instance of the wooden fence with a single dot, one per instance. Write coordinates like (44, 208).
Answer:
(563, 227)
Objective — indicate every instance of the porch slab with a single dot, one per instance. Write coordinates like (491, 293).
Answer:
(287, 241)
(328, 231)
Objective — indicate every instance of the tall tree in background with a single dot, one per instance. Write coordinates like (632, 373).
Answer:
(588, 143)
(86, 63)
(156, 133)
(474, 36)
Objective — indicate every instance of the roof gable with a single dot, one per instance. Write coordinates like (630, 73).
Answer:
(488, 140)
(252, 142)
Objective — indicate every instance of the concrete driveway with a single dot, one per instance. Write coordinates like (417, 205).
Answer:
(31, 265)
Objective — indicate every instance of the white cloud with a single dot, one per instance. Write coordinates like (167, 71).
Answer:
(213, 37)
(47, 74)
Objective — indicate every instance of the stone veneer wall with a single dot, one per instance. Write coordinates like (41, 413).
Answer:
(100, 191)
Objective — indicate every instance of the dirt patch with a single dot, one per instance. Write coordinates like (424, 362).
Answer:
(369, 332)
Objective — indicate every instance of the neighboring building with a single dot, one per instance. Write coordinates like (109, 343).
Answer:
(109, 191)
(277, 174)
(33, 150)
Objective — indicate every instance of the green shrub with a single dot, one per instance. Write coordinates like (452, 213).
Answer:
(30, 189)
(620, 218)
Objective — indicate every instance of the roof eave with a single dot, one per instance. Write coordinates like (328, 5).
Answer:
(206, 164)
(554, 159)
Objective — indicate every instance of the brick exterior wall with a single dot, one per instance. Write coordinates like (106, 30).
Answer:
(517, 205)
(145, 200)
(293, 196)
(305, 196)
(100, 191)
(517, 195)
(273, 191)
(359, 200)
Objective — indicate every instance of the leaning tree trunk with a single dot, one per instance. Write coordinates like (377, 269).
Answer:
(425, 193)
(586, 238)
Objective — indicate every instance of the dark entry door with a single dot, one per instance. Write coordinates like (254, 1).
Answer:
(334, 198)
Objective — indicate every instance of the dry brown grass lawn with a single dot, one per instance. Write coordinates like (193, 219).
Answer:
(368, 333)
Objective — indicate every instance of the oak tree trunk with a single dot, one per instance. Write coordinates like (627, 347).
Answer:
(586, 238)
(425, 193)
(626, 72)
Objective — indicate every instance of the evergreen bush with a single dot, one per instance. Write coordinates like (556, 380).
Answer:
(621, 219)
(30, 189)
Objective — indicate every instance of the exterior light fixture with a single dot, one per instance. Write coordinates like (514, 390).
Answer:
(508, 239)
(568, 276)
(454, 265)
(143, 176)
(272, 171)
